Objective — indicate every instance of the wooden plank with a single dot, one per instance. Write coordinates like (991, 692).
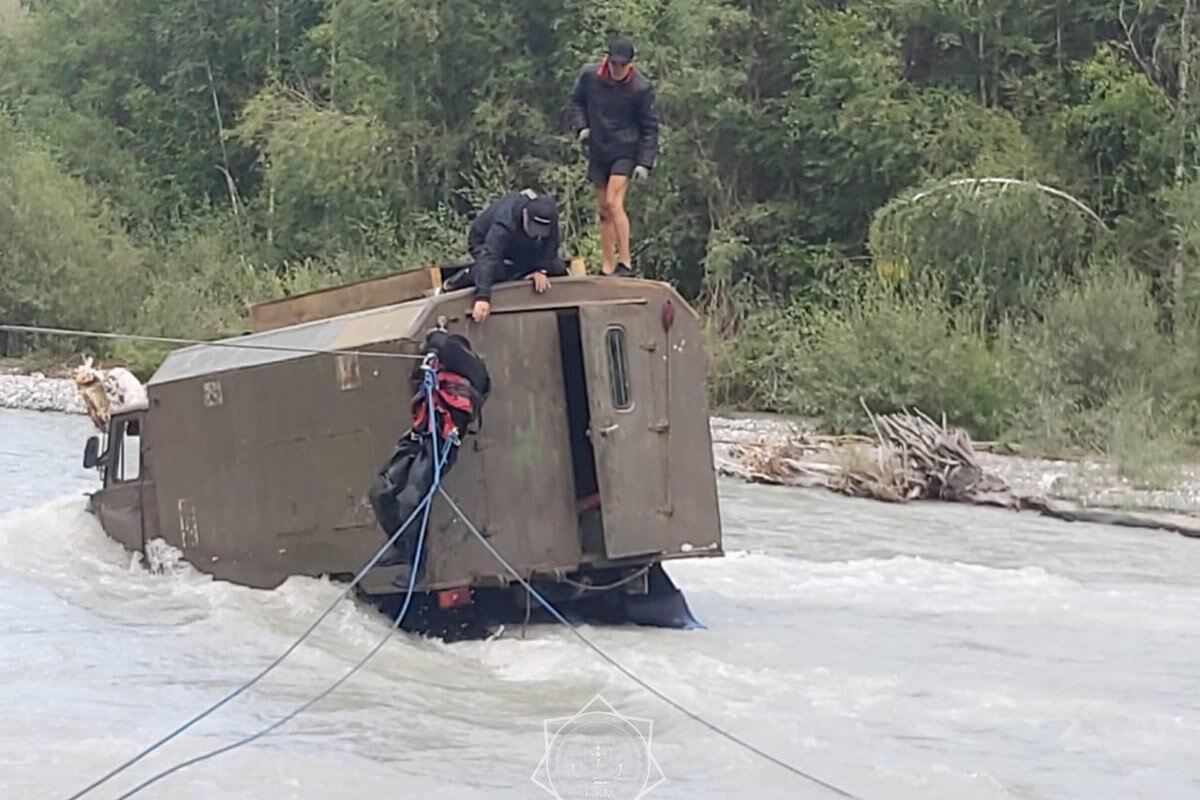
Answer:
(359, 296)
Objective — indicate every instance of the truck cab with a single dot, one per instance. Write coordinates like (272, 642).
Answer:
(126, 494)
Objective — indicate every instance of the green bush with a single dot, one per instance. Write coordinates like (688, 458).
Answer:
(1096, 338)
(755, 367)
(894, 350)
(987, 246)
(1103, 375)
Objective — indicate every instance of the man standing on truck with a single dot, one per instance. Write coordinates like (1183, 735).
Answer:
(612, 111)
(515, 237)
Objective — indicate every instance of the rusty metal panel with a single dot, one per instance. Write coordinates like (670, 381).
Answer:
(692, 480)
(120, 502)
(121, 513)
(657, 487)
(272, 481)
(514, 477)
(192, 444)
(150, 522)
(346, 299)
(315, 452)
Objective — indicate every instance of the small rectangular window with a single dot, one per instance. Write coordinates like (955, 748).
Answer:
(129, 460)
(618, 368)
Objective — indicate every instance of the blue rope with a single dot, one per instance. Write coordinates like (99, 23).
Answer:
(428, 388)
(412, 579)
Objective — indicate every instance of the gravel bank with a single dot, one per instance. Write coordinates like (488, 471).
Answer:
(1092, 483)
(36, 392)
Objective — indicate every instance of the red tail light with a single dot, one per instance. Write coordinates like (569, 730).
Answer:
(454, 598)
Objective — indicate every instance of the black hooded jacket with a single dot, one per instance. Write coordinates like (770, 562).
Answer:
(621, 116)
(498, 235)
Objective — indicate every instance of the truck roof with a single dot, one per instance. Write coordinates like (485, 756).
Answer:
(363, 329)
(345, 332)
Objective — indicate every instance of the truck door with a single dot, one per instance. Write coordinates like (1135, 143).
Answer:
(120, 501)
(648, 498)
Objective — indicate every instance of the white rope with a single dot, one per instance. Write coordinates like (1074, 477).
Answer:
(278, 348)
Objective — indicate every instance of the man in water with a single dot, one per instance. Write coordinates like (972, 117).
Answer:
(612, 111)
(515, 237)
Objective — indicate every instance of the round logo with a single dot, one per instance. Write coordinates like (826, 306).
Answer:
(597, 754)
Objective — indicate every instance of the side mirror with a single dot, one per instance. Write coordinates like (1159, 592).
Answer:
(91, 452)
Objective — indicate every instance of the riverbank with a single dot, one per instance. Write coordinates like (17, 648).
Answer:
(1087, 482)
(37, 392)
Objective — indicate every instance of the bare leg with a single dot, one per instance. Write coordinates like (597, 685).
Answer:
(617, 186)
(608, 234)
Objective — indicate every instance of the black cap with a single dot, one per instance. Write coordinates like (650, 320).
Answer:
(541, 213)
(620, 50)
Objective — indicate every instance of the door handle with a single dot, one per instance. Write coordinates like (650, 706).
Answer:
(607, 429)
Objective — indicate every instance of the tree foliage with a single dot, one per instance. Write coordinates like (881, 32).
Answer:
(340, 126)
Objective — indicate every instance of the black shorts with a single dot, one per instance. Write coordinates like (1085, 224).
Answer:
(599, 170)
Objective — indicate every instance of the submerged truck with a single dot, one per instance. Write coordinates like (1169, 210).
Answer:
(593, 465)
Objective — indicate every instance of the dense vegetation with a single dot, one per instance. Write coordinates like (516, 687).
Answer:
(164, 163)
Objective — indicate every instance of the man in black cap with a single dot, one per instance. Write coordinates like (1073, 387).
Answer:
(612, 111)
(515, 237)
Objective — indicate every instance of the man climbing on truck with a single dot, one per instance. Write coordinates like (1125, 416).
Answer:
(515, 237)
(612, 111)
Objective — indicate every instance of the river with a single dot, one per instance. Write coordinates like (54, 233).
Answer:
(922, 651)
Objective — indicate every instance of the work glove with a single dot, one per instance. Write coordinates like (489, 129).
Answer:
(584, 135)
(641, 173)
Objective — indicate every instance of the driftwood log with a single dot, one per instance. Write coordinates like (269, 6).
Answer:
(911, 457)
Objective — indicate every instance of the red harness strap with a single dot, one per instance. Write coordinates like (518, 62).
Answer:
(453, 392)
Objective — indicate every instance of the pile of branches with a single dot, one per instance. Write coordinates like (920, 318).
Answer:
(911, 458)
(918, 459)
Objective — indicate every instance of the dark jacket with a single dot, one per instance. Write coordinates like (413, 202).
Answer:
(622, 116)
(497, 236)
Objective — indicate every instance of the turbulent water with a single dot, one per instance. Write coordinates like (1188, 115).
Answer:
(901, 652)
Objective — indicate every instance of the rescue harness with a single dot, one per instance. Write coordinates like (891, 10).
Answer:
(451, 384)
